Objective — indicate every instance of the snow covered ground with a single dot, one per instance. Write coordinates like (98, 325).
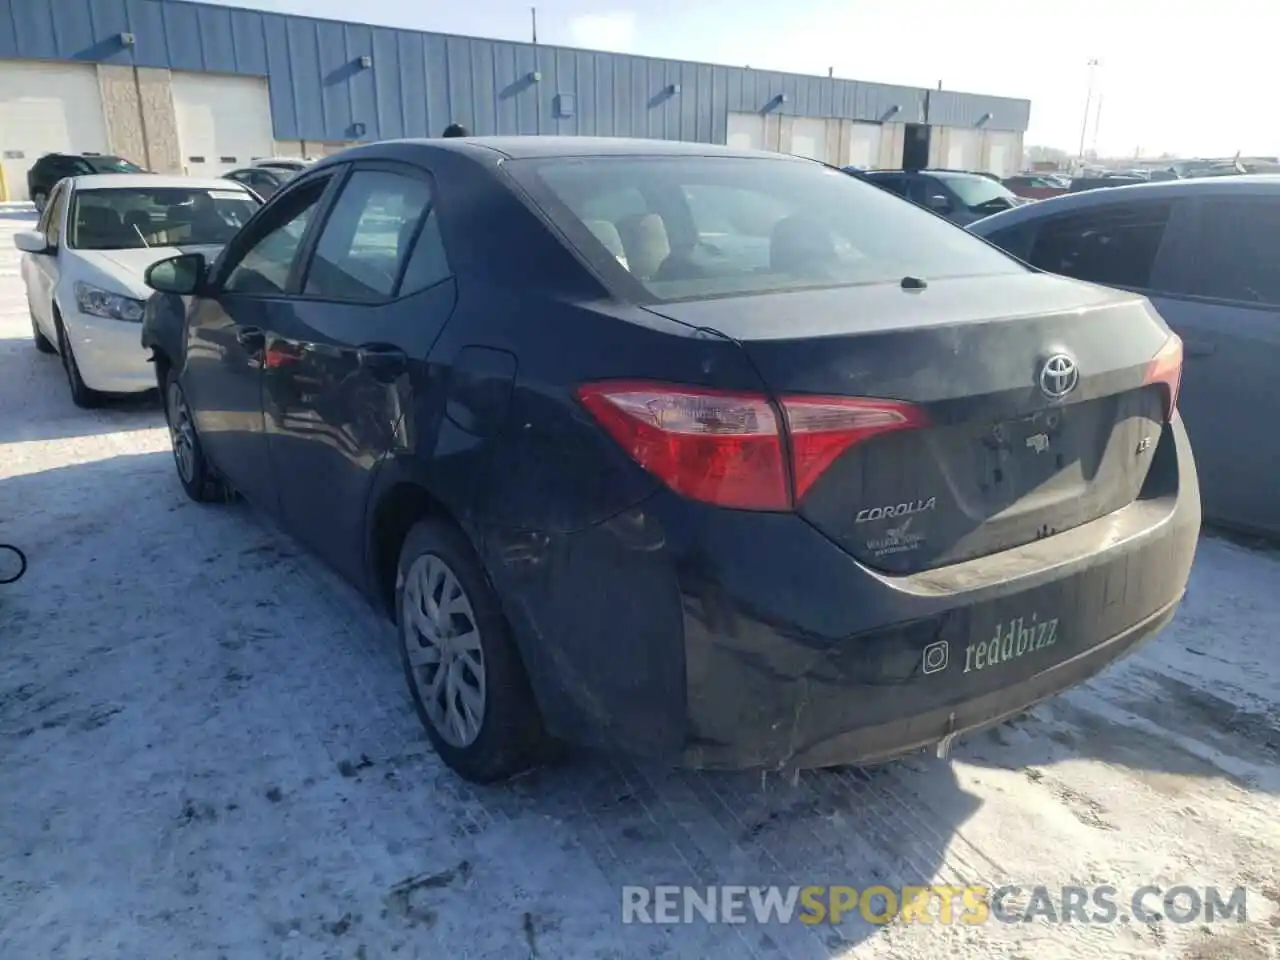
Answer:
(207, 751)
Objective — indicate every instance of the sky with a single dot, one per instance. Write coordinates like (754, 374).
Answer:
(1191, 80)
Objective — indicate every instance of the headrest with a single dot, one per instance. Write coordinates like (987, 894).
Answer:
(644, 237)
(608, 235)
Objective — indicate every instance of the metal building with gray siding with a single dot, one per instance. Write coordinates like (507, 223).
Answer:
(176, 85)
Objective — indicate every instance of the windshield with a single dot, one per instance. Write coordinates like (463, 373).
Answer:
(123, 219)
(112, 165)
(979, 191)
(696, 227)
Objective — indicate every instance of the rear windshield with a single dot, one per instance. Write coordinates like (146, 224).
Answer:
(112, 165)
(128, 218)
(977, 191)
(686, 228)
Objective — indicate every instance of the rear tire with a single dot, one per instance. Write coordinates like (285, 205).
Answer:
(195, 474)
(468, 683)
(81, 395)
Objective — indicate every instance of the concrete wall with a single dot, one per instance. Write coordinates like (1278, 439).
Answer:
(137, 104)
(416, 83)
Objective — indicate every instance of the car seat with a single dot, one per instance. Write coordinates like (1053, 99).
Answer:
(99, 227)
(644, 238)
(607, 234)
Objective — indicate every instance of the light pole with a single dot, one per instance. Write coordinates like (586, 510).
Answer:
(1088, 101)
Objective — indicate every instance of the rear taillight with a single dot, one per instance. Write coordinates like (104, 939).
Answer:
(726, 448)
(708, 445)
(822, 428)
(1166, 368)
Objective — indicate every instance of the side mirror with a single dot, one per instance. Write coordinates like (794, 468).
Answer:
(184, 274)
(938, 203)
(31, 241)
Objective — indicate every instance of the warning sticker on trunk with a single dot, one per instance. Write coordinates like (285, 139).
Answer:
(899, 539)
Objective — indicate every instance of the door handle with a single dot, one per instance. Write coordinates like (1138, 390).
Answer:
(251, 338)
(1198, 348)
(383, 361)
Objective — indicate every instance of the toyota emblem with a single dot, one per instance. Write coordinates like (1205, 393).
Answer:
(1058, 376)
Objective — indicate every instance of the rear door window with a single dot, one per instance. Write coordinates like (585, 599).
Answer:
(427, 263)
(896, 185)
(1016, 240)
(1115, 245)
(924, 189)
(367, 237)
(266, 265)
(1234, 256)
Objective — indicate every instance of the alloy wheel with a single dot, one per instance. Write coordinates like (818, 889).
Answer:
(446, 659)
(182, 434)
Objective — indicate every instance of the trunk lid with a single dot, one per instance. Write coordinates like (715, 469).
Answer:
(1001, 462)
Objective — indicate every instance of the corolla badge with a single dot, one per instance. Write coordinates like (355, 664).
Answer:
(1058, 376)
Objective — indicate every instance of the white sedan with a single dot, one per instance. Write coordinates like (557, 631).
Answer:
(83, 266)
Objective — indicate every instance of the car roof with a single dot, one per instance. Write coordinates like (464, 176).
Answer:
(927, 172)
(136, 181)
(1156, 190)
(495, 149)
(80, 155)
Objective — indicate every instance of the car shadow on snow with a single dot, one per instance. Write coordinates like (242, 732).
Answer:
(35, 382)
(283, 652)
(1199, 702)
(217, 597)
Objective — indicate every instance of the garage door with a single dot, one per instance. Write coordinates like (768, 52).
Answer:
(746, 131)
(964, 149)
(223, 122)
(46, 108)
(864, 145)
(1004, 153)
(809, 137)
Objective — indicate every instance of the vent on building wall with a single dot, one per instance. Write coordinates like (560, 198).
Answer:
(226, 159)
(565, 103)
(195, 159)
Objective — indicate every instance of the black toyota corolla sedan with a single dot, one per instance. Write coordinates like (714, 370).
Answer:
(714, 456)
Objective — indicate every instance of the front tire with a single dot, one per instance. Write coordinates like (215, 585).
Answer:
(81, 395)
(468, 683)
(194, 472)
(42, 342)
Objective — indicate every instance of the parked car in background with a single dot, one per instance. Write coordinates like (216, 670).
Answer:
(84, 263)
(960, 197)
(292, 164)
(52, 167)
(1082, 184)
(1202, 250)
(1034, 187)
(596, 422)
(264, 181)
